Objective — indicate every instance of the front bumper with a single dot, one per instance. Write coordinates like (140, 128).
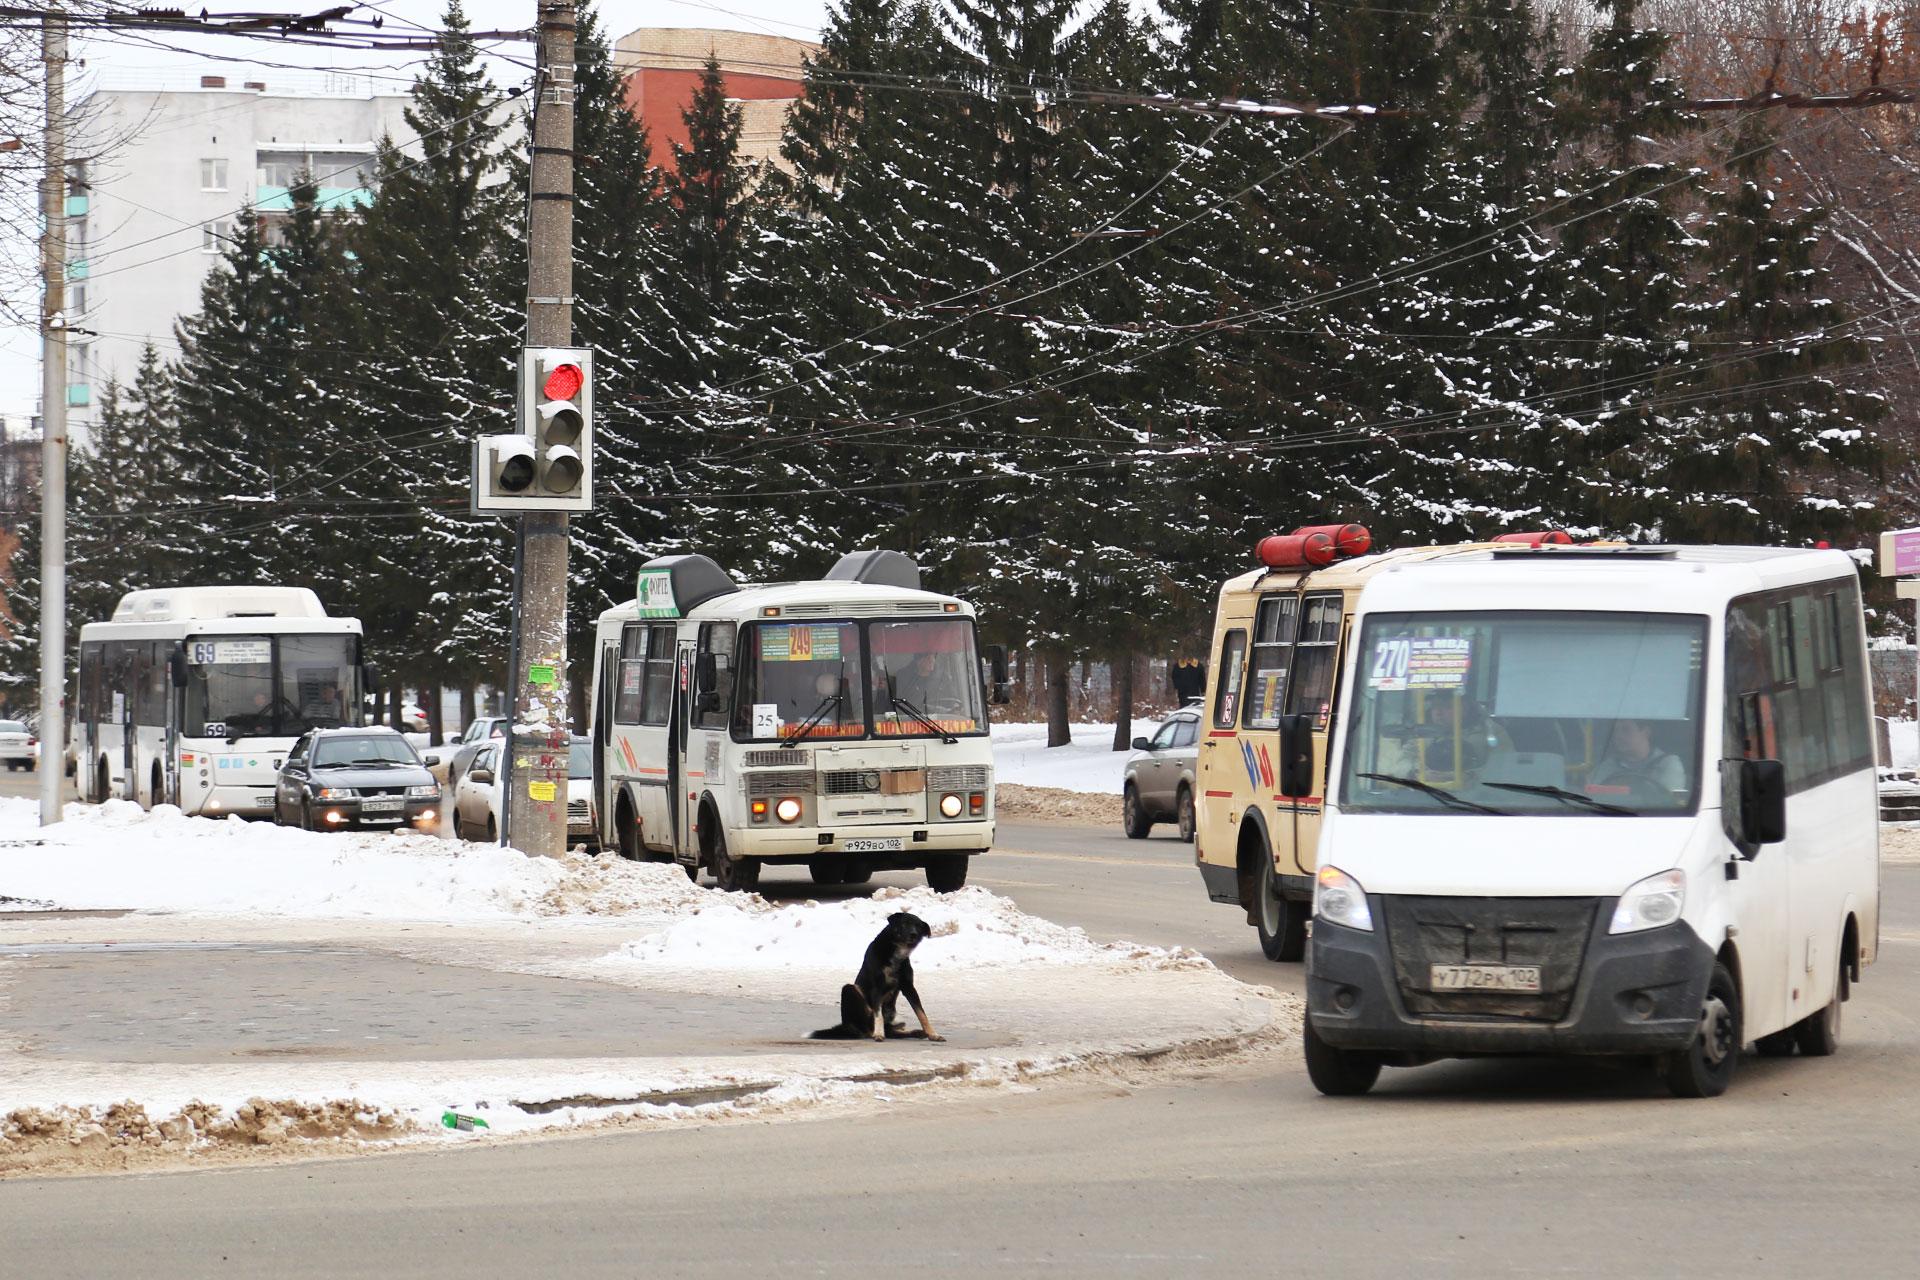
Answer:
(916, 841)
(1637, 993)
(247, 801)
(422, 815)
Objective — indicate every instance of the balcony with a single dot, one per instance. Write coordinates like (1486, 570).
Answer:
(329, 199)
(79, 395)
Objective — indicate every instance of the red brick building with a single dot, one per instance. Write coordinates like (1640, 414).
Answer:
(662, 66)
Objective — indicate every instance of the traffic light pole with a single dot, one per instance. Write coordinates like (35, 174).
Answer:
(536, 777)
(53, 426)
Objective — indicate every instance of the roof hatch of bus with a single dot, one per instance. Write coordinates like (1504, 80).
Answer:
(674, 586)
(175, 604)
(879, 568)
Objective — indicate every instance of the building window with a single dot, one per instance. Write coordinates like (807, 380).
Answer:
(213, 175)
(79, 395)
(214, 236)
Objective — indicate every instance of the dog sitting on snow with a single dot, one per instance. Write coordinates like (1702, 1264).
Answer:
(867, 1003)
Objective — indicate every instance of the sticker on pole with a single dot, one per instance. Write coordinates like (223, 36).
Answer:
(210, 653)
(766, 719)
(653, 594)
(1420, 662)
(542, 675)
(543, 791)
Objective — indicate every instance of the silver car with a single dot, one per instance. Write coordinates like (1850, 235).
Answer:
(1159, 781)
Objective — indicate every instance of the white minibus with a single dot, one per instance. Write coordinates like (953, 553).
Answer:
(838, 724)
(1605, 800)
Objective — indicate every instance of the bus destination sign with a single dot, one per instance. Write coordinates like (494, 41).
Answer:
(204, 653)
(653, 594)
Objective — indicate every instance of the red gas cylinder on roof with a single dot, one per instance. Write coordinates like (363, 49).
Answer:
(1297, 550)
(1348, 539)
(1539, 538)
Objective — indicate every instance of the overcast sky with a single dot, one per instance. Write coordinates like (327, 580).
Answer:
(112, 58)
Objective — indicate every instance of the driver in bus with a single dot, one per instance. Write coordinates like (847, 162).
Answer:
(917, 683)
(1632, 756)
(1479, 736)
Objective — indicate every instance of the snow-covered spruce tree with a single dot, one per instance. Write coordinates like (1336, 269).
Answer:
(440, 360)
(1773, 443)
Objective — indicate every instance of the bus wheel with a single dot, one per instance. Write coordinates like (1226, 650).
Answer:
(733, 875)
(1818, 1034)
(947, 872)
(157, 796)
(1133, 816)
(1183, 812)
(1338, 1073)
(1282, 923)
(628, 832)
(102, 783)
(1705, 1068)
(493, 831)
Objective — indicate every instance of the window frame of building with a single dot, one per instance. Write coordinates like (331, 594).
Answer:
(213, 173)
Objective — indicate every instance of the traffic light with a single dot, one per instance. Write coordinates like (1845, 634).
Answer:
(548, 464)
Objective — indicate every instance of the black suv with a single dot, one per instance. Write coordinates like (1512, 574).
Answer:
(339, 778)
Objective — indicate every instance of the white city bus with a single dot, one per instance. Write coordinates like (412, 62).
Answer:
(839, 724)
(1599, 800)
(193, 695)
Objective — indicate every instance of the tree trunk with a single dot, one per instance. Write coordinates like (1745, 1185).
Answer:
(1059, 718)
(435, 730)
(469, 705)
(395, 696)
(1123, 702)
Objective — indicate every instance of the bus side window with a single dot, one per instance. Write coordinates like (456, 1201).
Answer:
(658, 687)
(716, 703)
(1226, 697)
(633, 667)
(1312, 690)
(1273, 634)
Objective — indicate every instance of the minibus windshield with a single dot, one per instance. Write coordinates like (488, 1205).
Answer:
(1526, 713)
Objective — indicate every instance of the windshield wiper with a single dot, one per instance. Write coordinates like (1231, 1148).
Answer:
(1569, 797)
(1441, 794)
(927, 722)
(807, 726)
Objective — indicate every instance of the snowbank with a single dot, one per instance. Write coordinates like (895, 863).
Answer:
(1903, 740)
(1088, 763)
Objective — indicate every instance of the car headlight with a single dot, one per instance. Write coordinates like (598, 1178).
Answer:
(425, 791)
(1650, 903)
(951, 805)
(788, 810)
(1339, 899)
(333, 793)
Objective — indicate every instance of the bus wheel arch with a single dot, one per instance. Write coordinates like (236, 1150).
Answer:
(1280, 921)
(102, 781)
(626, 828)
(1850, 947)
(157, 794)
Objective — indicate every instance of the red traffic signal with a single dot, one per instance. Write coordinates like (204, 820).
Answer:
(563, 382)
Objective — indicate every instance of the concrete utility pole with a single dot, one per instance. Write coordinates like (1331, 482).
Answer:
(536, 778)
(53, 425)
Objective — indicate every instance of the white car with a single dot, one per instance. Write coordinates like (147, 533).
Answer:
(18, 746)
(476, 797)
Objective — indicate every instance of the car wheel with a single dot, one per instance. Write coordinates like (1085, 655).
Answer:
(947, 872)
(1818, 1034)
(493, 830)
(1183, 810)
(733, 875)
(1282, 923)
(306, 817)
(1705, 1068)
(1338, 1073)
(1133, 815)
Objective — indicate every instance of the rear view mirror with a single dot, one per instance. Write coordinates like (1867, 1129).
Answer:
(706, 674)
(1141, 744)
(1760, 803)
(370, 677)
(177, 668)
(1002, 694)
(1296, 756)
(480, 775)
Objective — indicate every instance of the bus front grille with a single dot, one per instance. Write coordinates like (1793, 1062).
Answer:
(1550, 933)
(774, 759)
(959, 777)
(784, 782)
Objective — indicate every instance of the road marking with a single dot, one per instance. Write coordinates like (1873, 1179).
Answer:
(1096, 858)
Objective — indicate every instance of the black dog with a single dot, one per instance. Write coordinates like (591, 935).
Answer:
(867, 1003)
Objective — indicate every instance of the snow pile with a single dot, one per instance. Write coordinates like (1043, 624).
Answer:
(1089, 763)
(971, 929)
(1903, 741)
(117, 855)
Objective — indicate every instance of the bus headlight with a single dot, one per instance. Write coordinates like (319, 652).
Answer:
(788, 810)
(425, 791)
(951, 805)
(1650, 903)
(1339, 899)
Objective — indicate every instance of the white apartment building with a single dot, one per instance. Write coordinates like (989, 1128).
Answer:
(177, 162)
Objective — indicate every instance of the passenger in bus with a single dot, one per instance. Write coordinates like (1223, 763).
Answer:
(1479, 736)
(1632, 756)
(324, 708)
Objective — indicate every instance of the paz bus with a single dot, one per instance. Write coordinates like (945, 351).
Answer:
(194, 695)
(1279, 644)
(837, 724)
(1602, 800)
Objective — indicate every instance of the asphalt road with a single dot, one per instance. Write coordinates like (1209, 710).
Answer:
(1809, 1167)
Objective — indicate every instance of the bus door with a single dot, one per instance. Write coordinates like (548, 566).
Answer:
(127, 682)
(708, 722)
(679, 806)
(604, 812)
(1316, 654)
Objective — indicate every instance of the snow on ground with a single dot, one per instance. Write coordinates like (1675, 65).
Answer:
(1088, 763)
(1903, 740)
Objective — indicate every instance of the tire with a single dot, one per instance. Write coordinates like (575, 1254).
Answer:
(629, 833)
(947, 872)
(1338, 1073)
(1282, 924)
(733, 875)
(1706, 1067)
(1183, 814)
(157, 796)
(1133, 815)
(1818, 1034)
(103, 783)
(306, 816)
(493, 830)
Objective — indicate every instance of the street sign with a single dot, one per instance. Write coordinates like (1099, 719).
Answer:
(1899, 553)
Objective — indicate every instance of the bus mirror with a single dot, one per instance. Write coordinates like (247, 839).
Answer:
(177, 668)
(706, 674)
(1763, 802)
(997, 664)
(370, 677)
(1002, 693)
(1296, 756)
